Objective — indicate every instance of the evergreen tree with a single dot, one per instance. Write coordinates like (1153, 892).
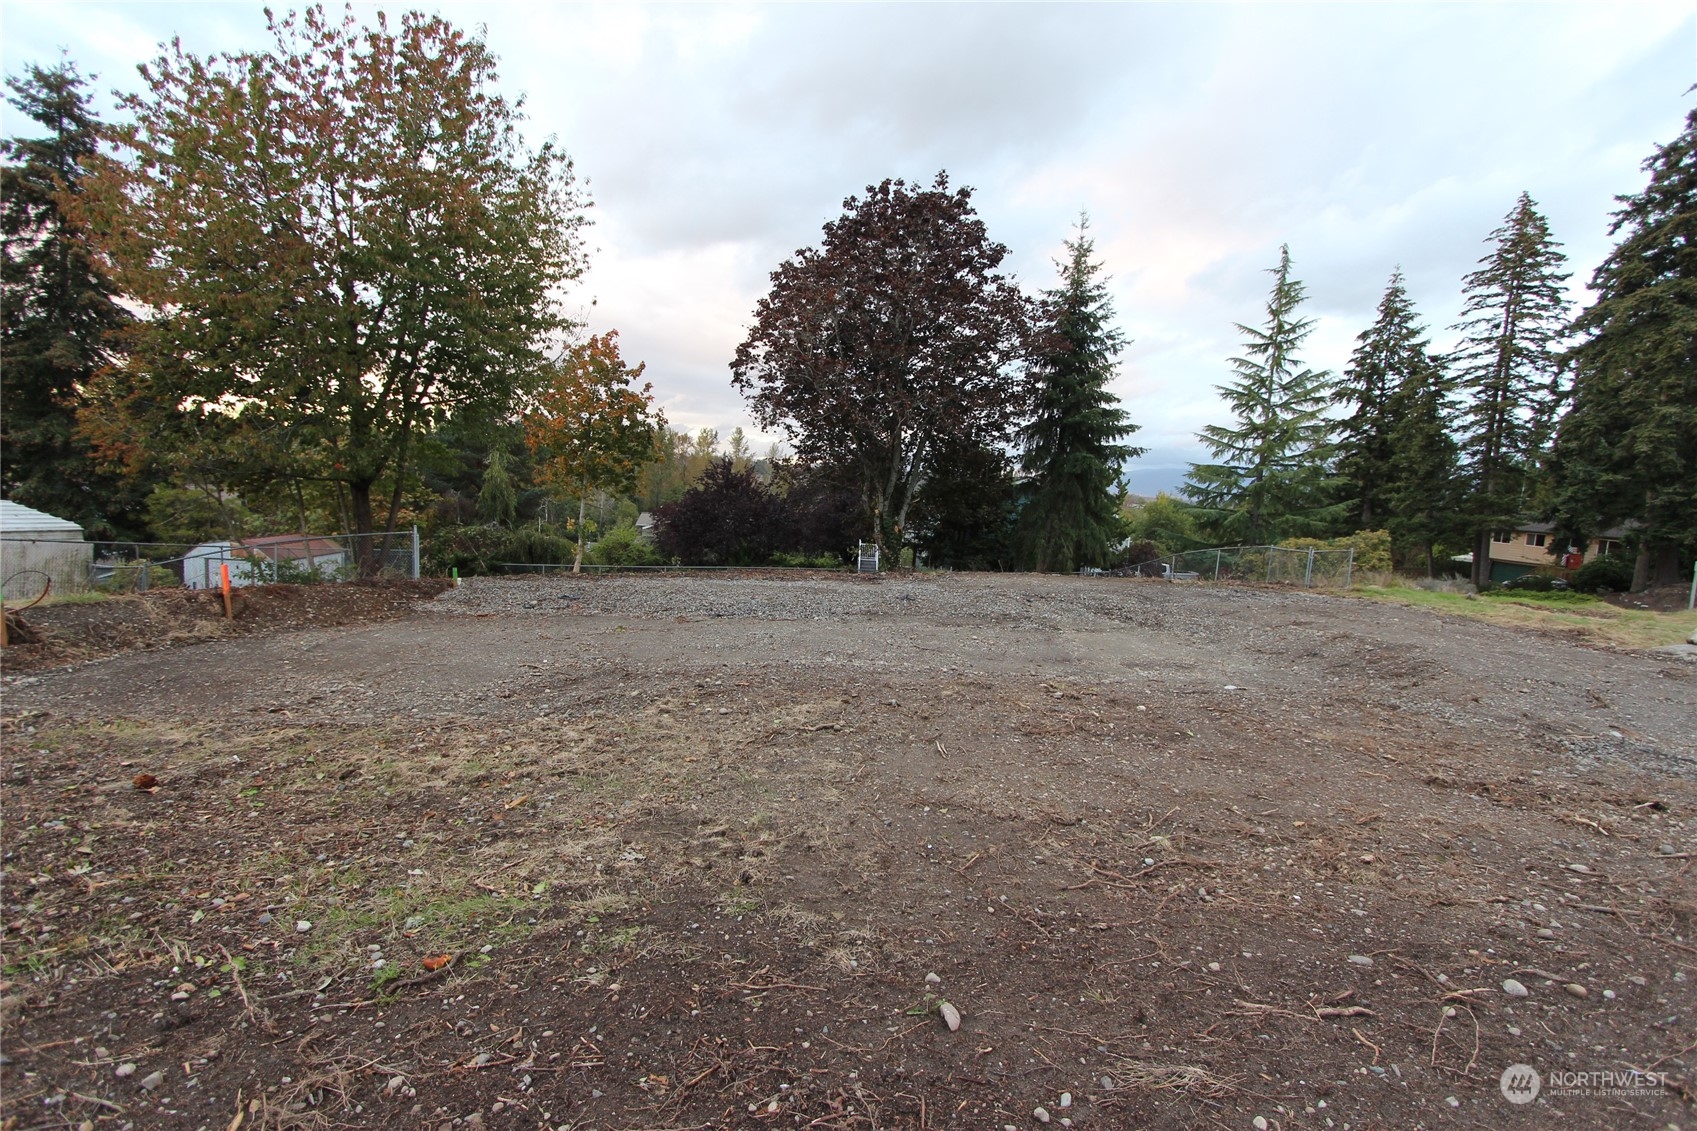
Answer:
(1388, 353)
(1628, 449)
(1420, 482)
(1273, 478)
(497, 499)
(59, 311)
(1071, 446)
(1512, 320)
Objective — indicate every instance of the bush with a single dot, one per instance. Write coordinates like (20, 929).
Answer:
(1612, 573)
(1533, 583)
(468, 549)
(808, 561)
(1144, 557)
(125, 578)
(1372, 547)
(623, 546)
(530, 546)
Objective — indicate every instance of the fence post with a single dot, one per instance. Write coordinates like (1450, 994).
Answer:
(1308, 574)
(415, 551)
(142, 567)
(1349, 568)
(1271, 550)
(1216, 565)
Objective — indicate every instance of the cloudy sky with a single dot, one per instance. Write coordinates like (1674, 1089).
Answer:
(717, 140)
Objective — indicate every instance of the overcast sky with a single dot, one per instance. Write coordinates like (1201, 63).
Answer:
(717, 140)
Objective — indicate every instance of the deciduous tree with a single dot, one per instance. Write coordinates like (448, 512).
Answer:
(592, 429)
(1627, 451)
(341, 241)
(1272, 480)
(897, 332)
(1072, 448)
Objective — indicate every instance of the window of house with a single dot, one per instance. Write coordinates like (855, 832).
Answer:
(1606, 546)
(1536, 539)
(1502, 536)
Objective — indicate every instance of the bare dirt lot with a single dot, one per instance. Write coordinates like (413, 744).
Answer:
(716, 852)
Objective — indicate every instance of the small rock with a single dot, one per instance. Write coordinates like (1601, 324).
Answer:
(1107, 1083)
(1040, 1114)
(1546, 933)
(396, 1083)
(950, 1015)
(1452, 1101)
(1668, 850)
(933, 979)
(179, 996)
(1360, 960)
(1066, 1099)
(1259, 1123)
(1638, 979)
(1577, 990)
(1580, 868)
(1608, 995)
(152, 1080)
(303, 925)
(127, 1068)
(1214, 967)
(265, 919)
(1513, 988)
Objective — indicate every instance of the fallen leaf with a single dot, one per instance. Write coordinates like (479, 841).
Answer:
(437, 961)
(145, 781)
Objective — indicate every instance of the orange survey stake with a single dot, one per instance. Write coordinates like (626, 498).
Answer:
(224, 574)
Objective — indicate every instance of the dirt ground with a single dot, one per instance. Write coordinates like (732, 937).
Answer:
(716, 852)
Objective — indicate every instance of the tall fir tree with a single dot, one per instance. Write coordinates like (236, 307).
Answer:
(1072, 448)
(59, 310)
(1627, 451)
(1273, 478)
(1388, 353)
(1420, 483)
(1507, 368)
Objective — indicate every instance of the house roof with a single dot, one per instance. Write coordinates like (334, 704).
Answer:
(1615, 532)
(15, 518)
(289, 546)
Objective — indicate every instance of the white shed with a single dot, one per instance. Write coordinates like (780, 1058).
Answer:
(34, 544)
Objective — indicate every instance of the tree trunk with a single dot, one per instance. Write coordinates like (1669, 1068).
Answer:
(1482, 559)
(1664, 565)
(365, 549)
(582, 506)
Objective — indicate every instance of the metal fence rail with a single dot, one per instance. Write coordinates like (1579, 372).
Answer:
(1310, 568)
(30, 564)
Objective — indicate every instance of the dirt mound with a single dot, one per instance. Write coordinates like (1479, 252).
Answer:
(50, 635)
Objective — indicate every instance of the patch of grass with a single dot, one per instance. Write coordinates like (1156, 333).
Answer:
(1575, 613)
(90, 598)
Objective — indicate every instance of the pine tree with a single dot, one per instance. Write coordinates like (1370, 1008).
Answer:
(1389, 353)
(1628, 449)
(59, 311)
(1513, 318)
(1273, 480)
(1420, 484)
(1071, 446)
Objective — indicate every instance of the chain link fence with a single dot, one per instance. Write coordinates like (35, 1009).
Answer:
(31, 566)
(1310, 568)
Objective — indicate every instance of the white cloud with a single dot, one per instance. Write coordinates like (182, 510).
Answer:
(717, 140)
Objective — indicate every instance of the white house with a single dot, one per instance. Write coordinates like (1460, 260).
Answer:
(35, 546)
(253, 561)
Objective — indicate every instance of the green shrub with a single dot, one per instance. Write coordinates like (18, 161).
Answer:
(529, 546)
(1613, 573)
(808, 561)
(1372, 547)
(623, 546)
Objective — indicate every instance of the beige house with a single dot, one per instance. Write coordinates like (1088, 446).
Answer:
(1528, 547)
